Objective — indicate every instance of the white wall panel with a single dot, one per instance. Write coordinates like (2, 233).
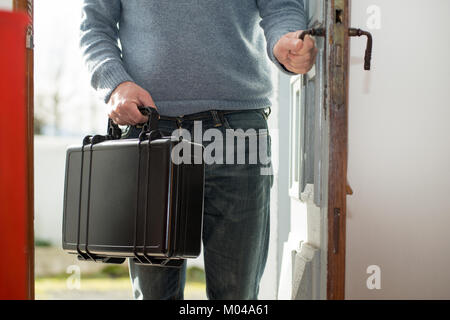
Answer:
(399, 151)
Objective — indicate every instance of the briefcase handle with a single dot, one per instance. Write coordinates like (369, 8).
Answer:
(153, 117)
(115, 133)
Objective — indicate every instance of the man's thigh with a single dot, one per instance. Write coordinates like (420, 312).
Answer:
(236, 221)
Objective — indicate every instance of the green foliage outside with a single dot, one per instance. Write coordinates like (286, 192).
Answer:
(42, 243)
(193, 274)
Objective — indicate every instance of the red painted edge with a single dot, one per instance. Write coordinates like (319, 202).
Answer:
(14, 242)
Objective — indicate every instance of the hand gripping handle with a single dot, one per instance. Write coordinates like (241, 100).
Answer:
(115, 133)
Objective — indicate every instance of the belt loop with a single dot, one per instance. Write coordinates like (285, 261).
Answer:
(224, 120)
(267, 112)
(179, 122)
(216, 118)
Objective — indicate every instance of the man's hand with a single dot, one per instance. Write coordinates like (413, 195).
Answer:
(294, 54)
(124, 103)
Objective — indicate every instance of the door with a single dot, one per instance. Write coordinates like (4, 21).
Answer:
(303, 275)
(313, 263)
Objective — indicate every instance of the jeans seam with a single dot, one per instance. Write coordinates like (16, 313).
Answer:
(180, 275)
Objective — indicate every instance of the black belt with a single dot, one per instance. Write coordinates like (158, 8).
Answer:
(216, 115)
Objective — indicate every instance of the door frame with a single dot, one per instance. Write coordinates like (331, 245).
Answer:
(337, 104)
(27, 6)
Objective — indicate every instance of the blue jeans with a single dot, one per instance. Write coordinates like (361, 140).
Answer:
(235, 226)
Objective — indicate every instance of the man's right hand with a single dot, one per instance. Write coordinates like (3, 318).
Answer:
(124, 103)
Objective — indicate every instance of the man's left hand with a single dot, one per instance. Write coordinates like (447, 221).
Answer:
(294, 54)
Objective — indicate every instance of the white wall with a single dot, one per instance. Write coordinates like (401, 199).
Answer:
(6, 4)
(49, 167)
(399, 153)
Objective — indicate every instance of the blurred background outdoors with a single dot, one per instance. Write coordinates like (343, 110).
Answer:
(67, 109)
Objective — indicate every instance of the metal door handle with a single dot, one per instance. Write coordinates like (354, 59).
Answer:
(352, 32)
(319, 32)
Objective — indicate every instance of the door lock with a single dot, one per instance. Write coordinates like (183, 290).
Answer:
(352, 32)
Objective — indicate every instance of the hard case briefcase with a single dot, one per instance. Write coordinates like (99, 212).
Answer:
(129, 199)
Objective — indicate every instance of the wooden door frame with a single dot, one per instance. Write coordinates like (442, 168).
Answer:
(337, 104)
(27, 7)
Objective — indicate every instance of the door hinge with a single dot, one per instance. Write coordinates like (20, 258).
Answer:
(336, 229)
(29, 40)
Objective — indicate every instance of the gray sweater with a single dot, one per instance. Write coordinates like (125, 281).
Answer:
(190, 55)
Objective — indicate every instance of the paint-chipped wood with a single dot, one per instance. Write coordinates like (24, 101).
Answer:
(337, 101)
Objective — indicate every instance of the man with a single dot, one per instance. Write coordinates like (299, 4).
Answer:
(201, 60)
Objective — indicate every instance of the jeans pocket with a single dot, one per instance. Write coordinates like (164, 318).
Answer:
(253, 120)
(247, 139)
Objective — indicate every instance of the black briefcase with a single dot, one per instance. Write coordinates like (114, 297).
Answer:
(130, 199)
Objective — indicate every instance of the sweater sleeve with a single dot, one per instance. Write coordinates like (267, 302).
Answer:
(99, 37)
(278, 18)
